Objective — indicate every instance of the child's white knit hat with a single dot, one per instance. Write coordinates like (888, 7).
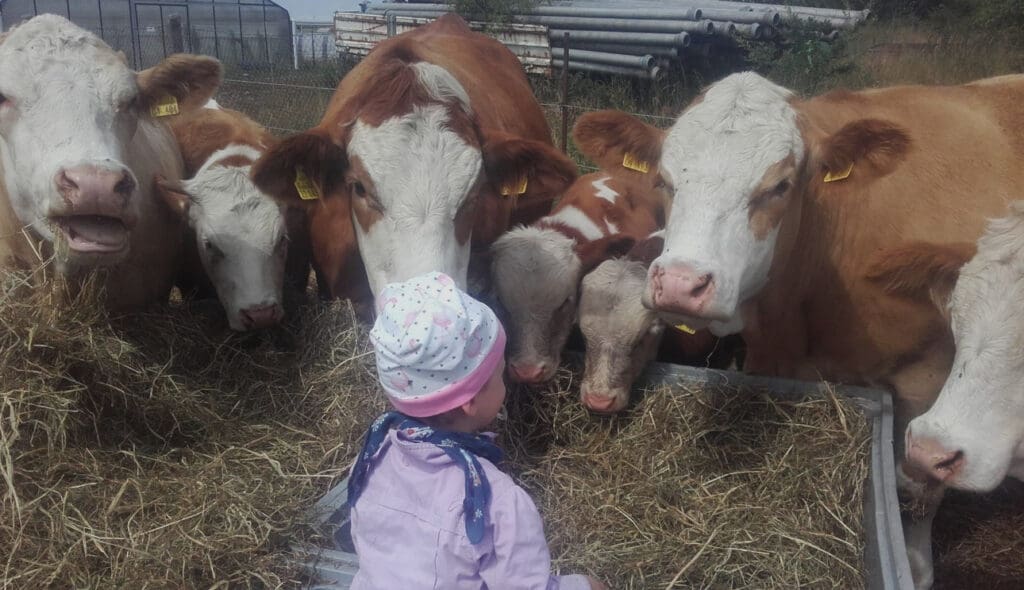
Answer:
(436, 346)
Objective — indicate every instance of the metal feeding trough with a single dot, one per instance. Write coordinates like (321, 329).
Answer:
(885, 554)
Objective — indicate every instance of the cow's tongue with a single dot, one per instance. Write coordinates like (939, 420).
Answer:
(95, 233)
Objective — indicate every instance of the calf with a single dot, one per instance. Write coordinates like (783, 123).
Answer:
(537, 269)
(622, 336)
(81, 138)
(238, 239)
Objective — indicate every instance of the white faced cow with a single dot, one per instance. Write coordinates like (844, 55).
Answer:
(79, 149)
(434, 143)
(239, 234)
(973, 436)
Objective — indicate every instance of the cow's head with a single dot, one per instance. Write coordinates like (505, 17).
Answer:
(536, 275)
(70, 108)
(240, 234)
(737, 162)
(622, 336)
(973, 436)
(408, 151)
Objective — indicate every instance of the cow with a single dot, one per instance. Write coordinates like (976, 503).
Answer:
(972, 437)
(239, 240)
(780, 203)
(79, 147)
(537, 268)
(436, 146)
(623, 337)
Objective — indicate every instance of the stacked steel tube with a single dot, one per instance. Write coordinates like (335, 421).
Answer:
(642, 37)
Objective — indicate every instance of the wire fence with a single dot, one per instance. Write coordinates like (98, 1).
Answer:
(290, 96)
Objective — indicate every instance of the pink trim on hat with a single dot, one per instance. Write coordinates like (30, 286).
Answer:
(455, 394)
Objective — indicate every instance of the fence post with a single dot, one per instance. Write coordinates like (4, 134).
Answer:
(565, 94)
(177, 37)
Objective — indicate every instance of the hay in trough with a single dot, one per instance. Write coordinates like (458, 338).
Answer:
(697, 488)
(160, 450)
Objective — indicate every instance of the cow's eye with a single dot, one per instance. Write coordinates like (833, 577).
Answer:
(781, 188)
(3, 99)
(281, 243)
(212, 248)
(358, 189)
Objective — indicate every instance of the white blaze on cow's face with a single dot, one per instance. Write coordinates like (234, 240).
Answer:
(730, 161)
(536, 275)
(414, 176)
(973, 436)
(68, 109)
(621, 335)
(241, 237)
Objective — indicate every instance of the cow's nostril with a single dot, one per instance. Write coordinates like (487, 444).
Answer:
(125, 186)
(64, 182)
(703, 281)
(951, 461)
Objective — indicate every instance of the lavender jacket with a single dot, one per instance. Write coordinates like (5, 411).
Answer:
(410, 534)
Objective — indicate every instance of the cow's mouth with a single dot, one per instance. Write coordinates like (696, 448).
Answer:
(94, 234)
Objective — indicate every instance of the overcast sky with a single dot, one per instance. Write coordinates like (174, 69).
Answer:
(317, 10)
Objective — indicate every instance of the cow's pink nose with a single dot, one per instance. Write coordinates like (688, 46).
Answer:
(94, 190)
(681, 289)
(261, 316)
(527, 373)
(938, 462)
(603, 404)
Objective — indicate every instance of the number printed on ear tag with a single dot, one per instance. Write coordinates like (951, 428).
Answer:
(166, 107)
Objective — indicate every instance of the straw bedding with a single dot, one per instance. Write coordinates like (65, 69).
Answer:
(161, 451)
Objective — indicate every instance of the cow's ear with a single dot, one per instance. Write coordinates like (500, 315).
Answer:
(191, 80)
(870, 146)
(617, 141)
(174, 195)
(524, 167)
(597, 251)
(301, 169)
(921, 270)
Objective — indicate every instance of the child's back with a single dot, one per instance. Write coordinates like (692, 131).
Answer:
(430, 509)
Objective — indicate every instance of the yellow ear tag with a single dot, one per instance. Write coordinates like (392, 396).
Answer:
(166, 107)
(508, 190)
(829, 177)
(630, 161)
(685, 328)
(305, 187)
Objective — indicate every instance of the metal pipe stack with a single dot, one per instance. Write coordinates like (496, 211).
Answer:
(625, 37)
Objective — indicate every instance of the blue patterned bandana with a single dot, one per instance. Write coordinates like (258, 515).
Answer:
(462, 448)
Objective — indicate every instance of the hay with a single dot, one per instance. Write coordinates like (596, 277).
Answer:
(697, 489)
(159, 450)
(979, 539)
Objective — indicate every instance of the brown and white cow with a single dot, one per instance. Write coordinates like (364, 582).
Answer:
(973, 435)
(79, 148)
(434, 141)
(537, 269)
(623, 337)
(780, 204)
(237, 247)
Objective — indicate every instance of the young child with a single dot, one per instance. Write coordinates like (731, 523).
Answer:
(430, 510)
